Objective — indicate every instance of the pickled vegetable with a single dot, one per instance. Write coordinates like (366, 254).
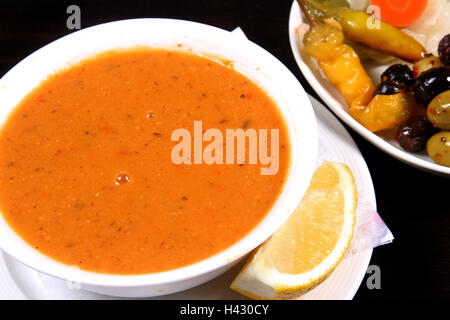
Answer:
(385, 38)
(438, 148)
(335, 3)
(339, 62)
(385, 111)
(426, 64)
(400, 13)
(438, 111)
(371, 56)
(444, 50)
(414, 133)
(431, 83)
(390, 87)
(400, 73)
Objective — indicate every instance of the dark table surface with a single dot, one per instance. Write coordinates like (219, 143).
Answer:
(414, 204)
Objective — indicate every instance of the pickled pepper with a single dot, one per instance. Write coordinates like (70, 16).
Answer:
(339, 62)
(383, 37)
(342, 67)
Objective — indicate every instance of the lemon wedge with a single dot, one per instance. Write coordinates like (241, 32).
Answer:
(310, 244)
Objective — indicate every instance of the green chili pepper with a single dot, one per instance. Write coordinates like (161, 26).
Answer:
(360, 27)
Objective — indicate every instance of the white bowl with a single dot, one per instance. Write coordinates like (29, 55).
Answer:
(334, 100)
(248, 58)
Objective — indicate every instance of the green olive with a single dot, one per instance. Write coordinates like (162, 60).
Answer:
(438, 148)
(426, 64)
(438, 111)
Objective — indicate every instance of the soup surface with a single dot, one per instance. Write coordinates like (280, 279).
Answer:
(86, 175)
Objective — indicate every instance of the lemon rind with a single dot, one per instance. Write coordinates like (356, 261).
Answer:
(277, 285)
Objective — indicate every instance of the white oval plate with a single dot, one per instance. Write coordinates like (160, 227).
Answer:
(333, 99)
(20, 282)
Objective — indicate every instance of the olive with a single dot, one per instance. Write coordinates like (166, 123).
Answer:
(444, 50)
(438, 148)
(438, 111)
(431, 83)
(426, 64)
(400, 73)
(414, 133)
(390, 87)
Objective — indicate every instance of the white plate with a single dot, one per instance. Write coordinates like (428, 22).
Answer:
(248, 58)
(328, 93)
(20, 282)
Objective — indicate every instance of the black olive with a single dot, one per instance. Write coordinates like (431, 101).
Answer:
(430, 83)
(414, 133)
(400, 73)
(444, 50)
(390, 87)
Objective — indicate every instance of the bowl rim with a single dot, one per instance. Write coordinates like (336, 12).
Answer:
(304, 116)
(338, 108)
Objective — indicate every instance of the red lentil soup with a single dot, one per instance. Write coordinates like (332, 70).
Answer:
(86, 175)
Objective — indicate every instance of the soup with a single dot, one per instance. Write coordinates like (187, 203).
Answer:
(86, 174)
